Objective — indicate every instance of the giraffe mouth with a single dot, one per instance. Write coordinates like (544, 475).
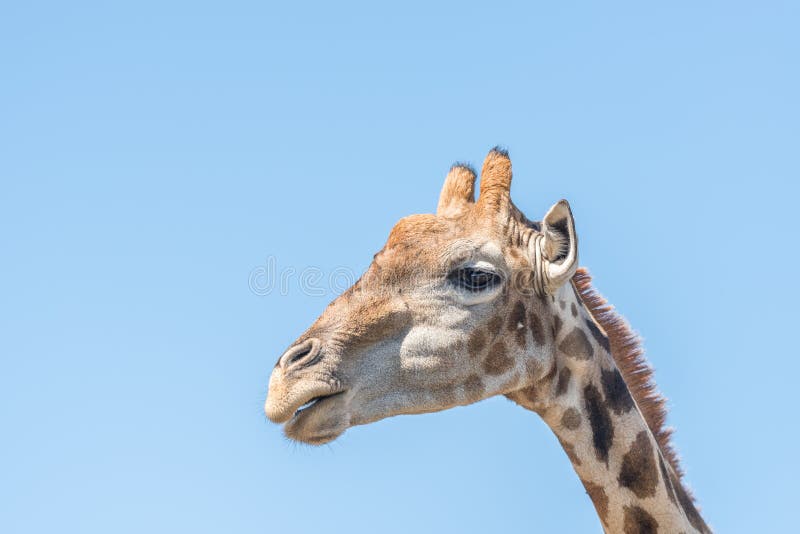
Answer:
(318, 420)
(312, 403)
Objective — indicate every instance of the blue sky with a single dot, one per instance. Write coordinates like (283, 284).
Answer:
(153, 155)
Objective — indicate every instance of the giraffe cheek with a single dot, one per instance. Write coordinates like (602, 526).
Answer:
(426, 348)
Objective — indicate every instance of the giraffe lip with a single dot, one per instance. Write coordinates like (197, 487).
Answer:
(313, 402)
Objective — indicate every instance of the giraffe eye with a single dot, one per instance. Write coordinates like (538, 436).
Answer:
(474, 279)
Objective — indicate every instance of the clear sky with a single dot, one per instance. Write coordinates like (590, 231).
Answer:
(154, 155)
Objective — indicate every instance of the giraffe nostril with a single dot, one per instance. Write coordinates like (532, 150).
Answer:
(301, 354)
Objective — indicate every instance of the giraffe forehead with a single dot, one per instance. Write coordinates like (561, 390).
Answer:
(419, 230)
(430, 243)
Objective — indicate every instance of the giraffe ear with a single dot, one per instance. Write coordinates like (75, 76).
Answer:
(458, 191)
(558, 247)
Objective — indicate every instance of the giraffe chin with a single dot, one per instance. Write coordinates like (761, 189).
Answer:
(319, 422)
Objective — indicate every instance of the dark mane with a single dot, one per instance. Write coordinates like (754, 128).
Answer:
(628, 353)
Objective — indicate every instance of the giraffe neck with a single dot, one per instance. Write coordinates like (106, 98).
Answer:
(601, 428)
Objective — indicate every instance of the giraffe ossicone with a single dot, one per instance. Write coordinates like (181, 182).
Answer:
(476, 301)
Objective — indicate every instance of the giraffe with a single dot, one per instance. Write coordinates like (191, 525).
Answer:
(477, 301)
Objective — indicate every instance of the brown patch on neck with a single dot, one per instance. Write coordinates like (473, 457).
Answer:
(576, 345)
(536, 329)
(638, 472)
(627, 351)
(556, 325)
(571, 419)
(638, 521)
(563, 381)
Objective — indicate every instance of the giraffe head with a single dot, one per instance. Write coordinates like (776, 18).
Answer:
(454, 309)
